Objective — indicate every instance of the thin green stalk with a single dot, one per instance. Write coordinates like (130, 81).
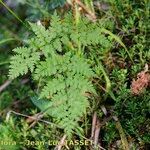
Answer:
(12, 13)
(123, 136)
(7, 40)
(108, 83)
(118, 40)
(5, 62)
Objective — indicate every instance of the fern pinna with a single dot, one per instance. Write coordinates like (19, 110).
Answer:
(55, 56)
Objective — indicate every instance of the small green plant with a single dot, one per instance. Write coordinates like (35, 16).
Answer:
(56, 59)
(8, 137)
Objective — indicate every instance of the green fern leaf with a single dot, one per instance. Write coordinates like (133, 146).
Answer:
(22, 62)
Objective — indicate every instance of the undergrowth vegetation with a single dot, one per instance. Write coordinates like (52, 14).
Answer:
(74, 75)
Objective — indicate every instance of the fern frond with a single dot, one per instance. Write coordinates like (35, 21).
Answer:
(22, 62)
(46, 68)
(39, 30)
(52, 56)
(67, 88)
(56, 25)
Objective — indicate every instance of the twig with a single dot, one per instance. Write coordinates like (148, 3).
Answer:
(23, 115)
(101, 147)
(34, 121)
(61, 143)
(8, 82)
(97, 131)
(104, 110)
(3, 86)
(24, 81)
(91, 14)
(93, 125)
(99, 86)
(32, 118)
